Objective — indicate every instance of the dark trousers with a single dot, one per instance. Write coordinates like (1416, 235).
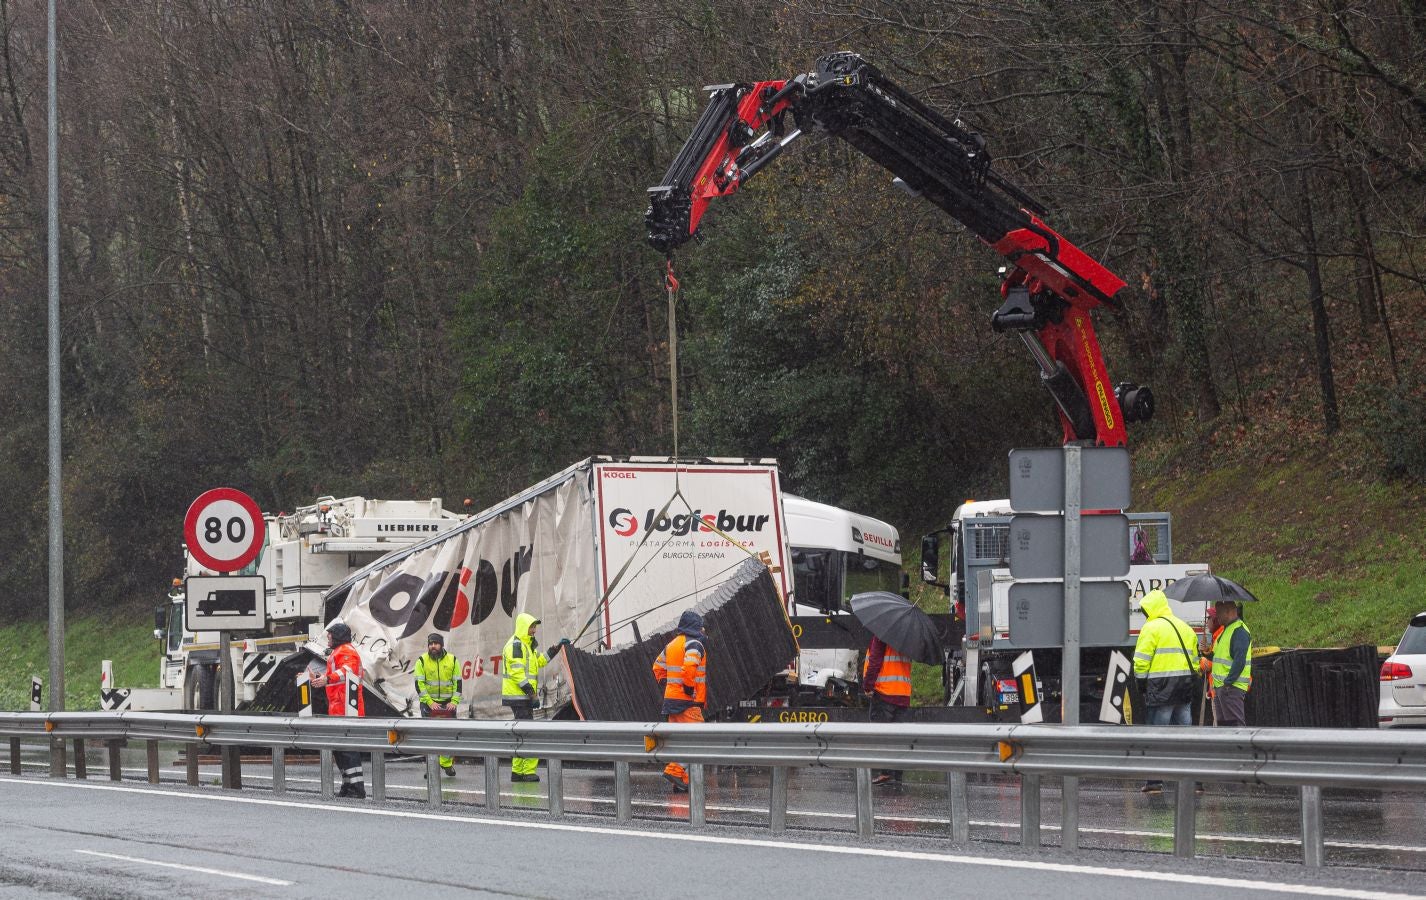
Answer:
(349, 762)
(1228, 706)
(881, 711)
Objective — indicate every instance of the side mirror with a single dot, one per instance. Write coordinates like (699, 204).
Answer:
(930, 558)
(160, 618)
(158, 634)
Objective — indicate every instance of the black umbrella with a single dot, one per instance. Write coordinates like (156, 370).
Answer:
(1208, 588)
(899, 623)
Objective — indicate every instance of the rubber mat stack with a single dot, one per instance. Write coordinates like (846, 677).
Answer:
(1315, 689)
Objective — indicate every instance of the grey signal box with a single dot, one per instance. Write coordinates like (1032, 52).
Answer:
(1037, 614)
(1037, 479)
(1037, 546)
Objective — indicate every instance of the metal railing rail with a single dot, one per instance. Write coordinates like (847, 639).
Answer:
(1309, 759)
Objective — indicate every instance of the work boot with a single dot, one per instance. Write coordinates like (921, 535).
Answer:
(449, 770)
(344, 791)
(358, 791)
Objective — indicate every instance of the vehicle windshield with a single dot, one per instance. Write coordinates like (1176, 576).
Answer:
(827, 579)
(175, 626)
(1414, 640)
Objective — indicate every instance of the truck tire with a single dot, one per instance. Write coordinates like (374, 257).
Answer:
(200, 688)
(986, 688)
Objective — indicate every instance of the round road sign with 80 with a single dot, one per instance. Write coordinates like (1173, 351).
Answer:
(224, 529)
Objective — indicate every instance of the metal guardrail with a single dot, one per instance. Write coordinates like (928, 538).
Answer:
(1309, 759)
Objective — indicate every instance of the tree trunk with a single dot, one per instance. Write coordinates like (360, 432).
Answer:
(1331, 419)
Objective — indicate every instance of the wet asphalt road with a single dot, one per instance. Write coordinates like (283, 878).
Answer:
(131, 840)
(1382, 830)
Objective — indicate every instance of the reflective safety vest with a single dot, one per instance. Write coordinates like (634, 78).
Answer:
(436, 680)
(344, 664)
(894, 678)
(682, 663)
(1223, 657)
(1162, 650)
(521, 666)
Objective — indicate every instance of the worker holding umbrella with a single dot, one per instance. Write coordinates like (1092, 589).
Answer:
(1232, 665)
(901, 633)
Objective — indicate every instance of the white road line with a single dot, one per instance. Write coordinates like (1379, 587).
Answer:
(1287, 841)
(1179, 879)
(168, 865)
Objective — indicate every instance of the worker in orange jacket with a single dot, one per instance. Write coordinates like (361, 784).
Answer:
(682, 672)
(344, 665)
(886, 680)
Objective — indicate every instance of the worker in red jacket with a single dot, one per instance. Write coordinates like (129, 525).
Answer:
(343, 666)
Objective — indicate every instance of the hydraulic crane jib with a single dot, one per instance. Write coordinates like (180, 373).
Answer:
(1051, 285)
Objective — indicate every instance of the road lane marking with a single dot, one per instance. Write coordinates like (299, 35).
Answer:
(261, 879)
(1306, 890)
(1285, 840)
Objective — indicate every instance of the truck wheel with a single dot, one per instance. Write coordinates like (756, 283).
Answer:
(200, 688)
(986, 688)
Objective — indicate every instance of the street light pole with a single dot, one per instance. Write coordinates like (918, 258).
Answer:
(56, 523)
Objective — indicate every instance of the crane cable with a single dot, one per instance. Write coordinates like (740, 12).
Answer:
(671, 283)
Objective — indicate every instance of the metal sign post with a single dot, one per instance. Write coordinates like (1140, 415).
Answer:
(224, 531)
(1069, 674)
(231, 755)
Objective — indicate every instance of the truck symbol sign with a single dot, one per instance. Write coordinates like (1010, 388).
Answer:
(236, 603)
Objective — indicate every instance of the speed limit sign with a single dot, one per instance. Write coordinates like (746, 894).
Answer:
(223, 529)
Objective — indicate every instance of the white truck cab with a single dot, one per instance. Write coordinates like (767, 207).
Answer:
(979, 583)
(836, 553)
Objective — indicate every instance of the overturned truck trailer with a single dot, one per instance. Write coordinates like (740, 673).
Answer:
(604, 553)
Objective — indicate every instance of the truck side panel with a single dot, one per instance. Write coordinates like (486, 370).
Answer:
(684, 556)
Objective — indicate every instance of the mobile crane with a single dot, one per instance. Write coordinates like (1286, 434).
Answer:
(1051, 286)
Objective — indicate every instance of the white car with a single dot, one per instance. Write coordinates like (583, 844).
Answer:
(1403, 679)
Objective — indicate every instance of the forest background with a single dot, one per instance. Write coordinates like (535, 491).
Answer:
(396, 249)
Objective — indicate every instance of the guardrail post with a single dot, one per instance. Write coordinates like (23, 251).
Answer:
(866, 826)
(1030, 811)
(232, 767)
(623, 796)
(190, 764)
(325, 778)
(1311, 826)
(279, 770)
(81, 765)
(15, 756)
(433, 781)
(697, 796)
(960, 807)
(59, 768)
(555, 772)
(777, 800)
(492, 783)
(1069, 814)
(116, 771)
(378, 776)
(1185, 819)
(151, 749)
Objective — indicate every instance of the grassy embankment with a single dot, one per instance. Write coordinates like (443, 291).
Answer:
(126, 638)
